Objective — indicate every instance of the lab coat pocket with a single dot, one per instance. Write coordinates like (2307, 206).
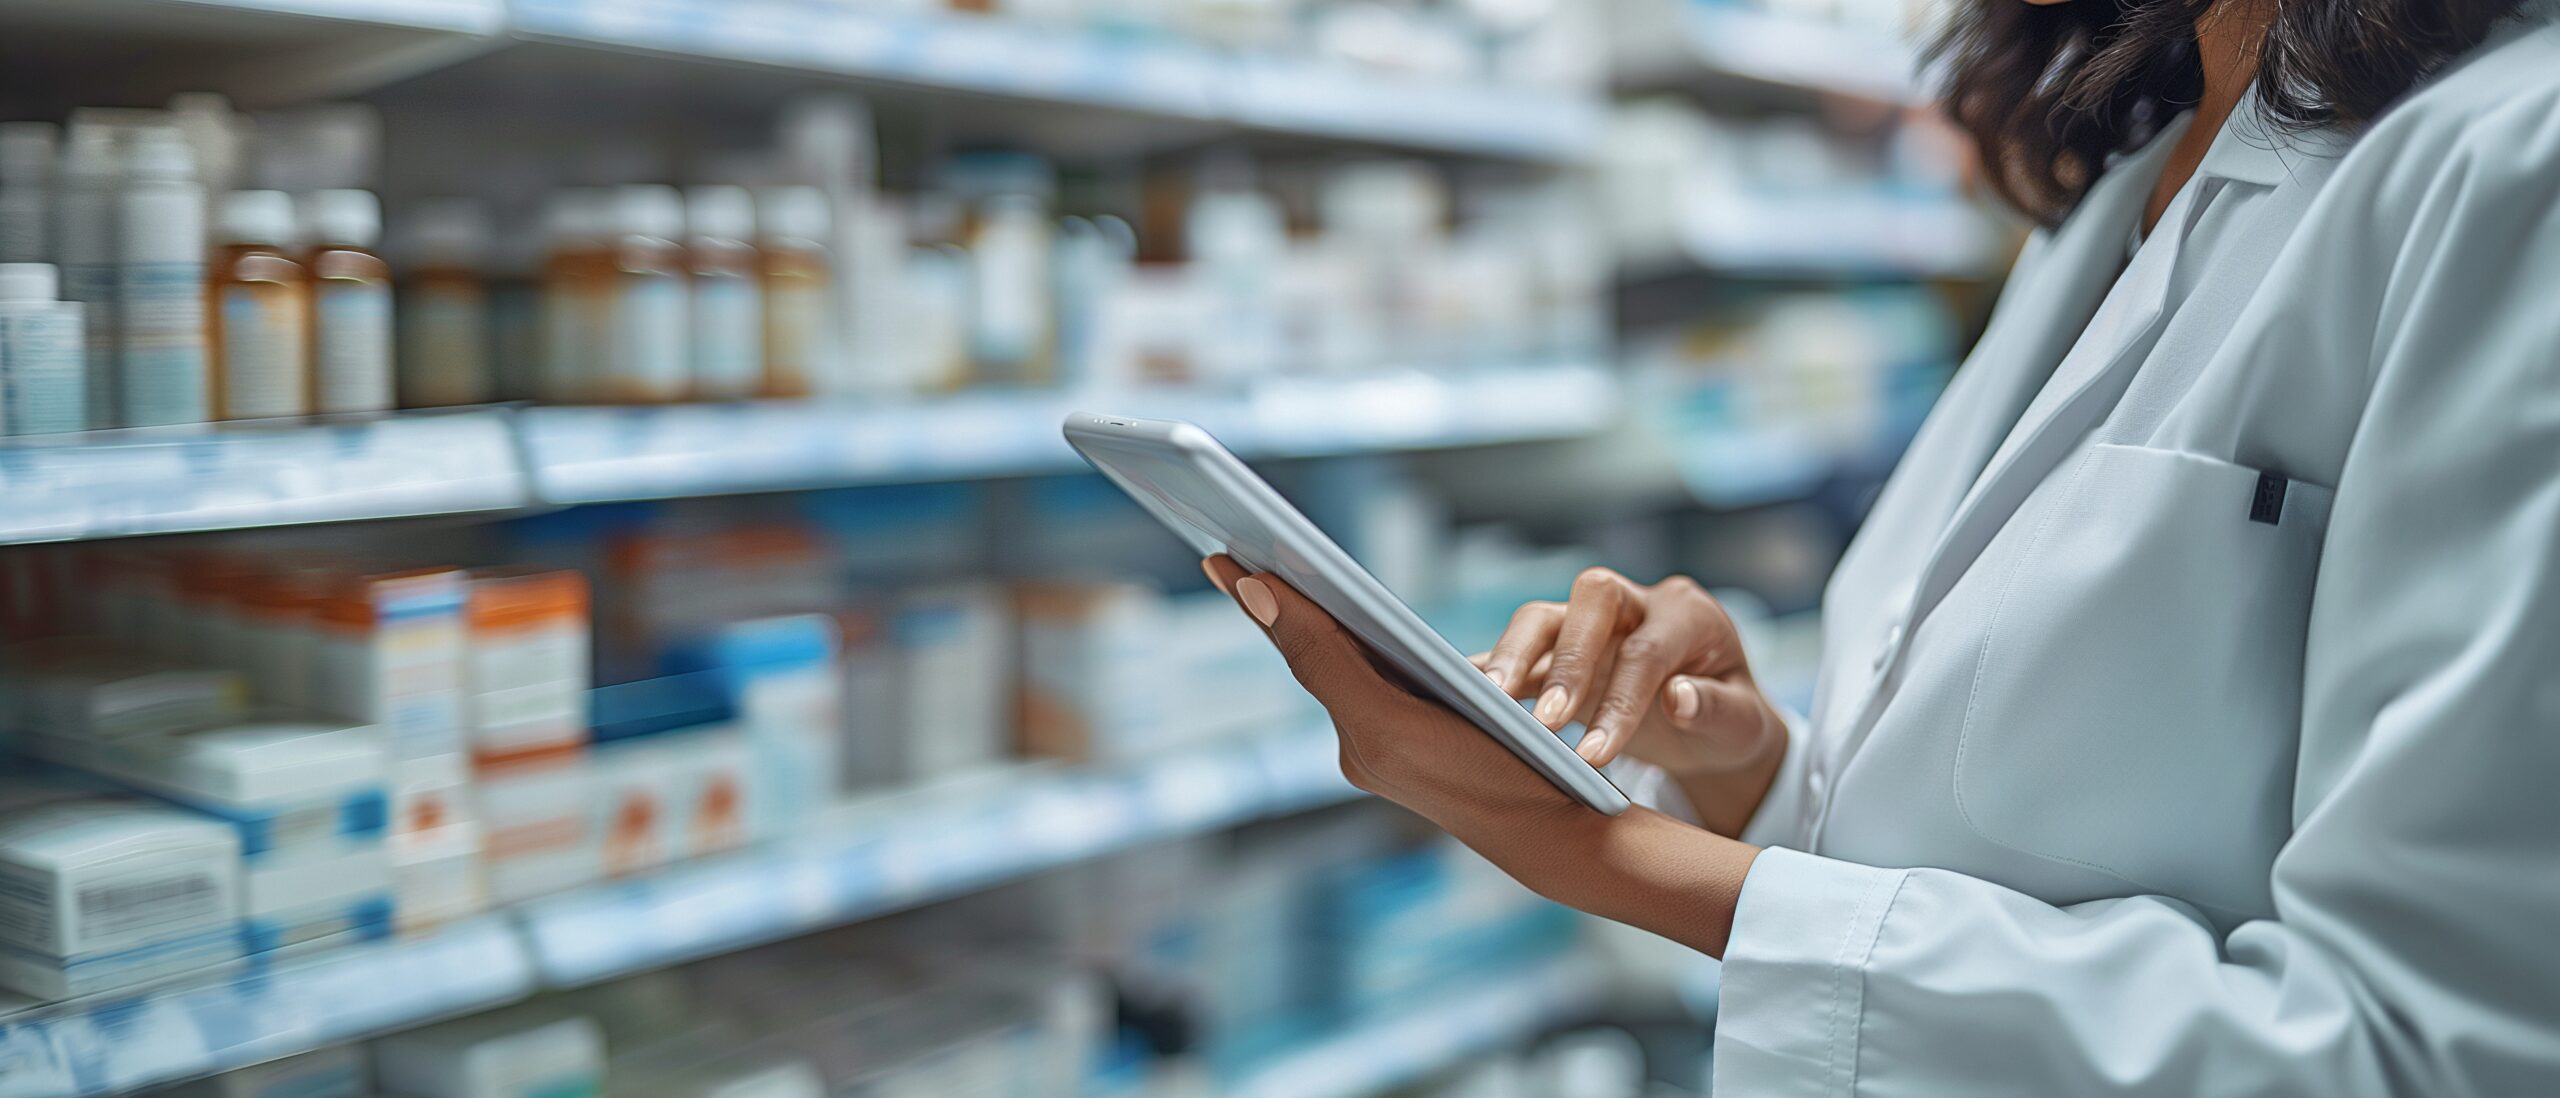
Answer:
(2137, 699)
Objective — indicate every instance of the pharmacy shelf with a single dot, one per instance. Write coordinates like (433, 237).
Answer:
(237, 476)
(120, 1042)
(1828, 234)
(169, 480)
(1143, 74)
(862, 860)
(590, 455)
(918, 847)
(1382, 1054)
(1721, 44)
(1319, 99)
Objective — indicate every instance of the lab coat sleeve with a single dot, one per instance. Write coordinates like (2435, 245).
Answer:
(1775, 822)
(2418, 898)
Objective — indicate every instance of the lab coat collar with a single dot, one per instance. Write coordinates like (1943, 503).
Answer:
(2248, 150)
(2078, 348)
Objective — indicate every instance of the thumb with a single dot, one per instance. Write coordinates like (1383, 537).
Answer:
(1719, 711)
(1321, 653)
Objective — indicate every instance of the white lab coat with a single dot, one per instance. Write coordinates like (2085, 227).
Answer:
(2129, 775)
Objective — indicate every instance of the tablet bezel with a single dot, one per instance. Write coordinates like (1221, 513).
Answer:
(1217, 504)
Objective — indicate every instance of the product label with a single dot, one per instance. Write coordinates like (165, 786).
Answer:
(44, 353)
(295, 828)
(351, 347)
(528, 687)
(728, 337)
(22, 225)
(445, 348)
(162, 352)
(1010, 309)
(575, 325)
(405, 678)
(649, 344)
(133, 907)
(94, 286)
(26, 910)
(264, 365)
(795, 331)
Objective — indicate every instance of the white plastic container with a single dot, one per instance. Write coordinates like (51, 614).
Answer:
(26, 186)
(42, 347)
(727, 295)
(350, 303)
(84, 244)
(107, 892)
(162, 373)
(649, 349)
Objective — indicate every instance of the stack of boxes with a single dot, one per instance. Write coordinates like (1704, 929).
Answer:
(386, 648)
(98, 893)
(309, 802)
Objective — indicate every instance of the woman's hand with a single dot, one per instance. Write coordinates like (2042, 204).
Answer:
(1396, 743)
(1656, 672)
(1640, 868)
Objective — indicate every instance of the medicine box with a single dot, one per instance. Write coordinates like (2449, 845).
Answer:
(526, 667)
(783, 676)
(308, 800)
(389, 652)
(100, 893)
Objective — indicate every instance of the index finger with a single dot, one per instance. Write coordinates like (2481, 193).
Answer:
(1602, 606)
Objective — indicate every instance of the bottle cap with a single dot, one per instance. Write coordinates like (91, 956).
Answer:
(342, 218)
(797, 213)
(89, 153)
(160, 154)
(649, 209)
(720, 212)
(26, 151)
(257, 217)
(28, 282)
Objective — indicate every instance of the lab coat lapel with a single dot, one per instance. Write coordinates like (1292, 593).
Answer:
(2103, 349)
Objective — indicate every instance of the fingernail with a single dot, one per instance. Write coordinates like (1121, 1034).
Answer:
(1494, 673)
(1684, 699)
(1590, 746)
(1551, 706)
(1207, 570)
(1256, 596)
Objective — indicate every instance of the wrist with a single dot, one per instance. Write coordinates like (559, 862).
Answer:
(1723, 799)
(1649, 871)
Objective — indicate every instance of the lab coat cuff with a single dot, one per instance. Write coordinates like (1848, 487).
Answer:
(1780, 819)
(1794, 980)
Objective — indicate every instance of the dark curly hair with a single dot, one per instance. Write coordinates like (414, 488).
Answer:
(2049, 92)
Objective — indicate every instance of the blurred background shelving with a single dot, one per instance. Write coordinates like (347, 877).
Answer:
(800, 721)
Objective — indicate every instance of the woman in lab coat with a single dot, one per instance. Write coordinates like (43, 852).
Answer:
(2189, 716)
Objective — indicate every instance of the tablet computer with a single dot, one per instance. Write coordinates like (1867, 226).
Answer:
(1210, 499)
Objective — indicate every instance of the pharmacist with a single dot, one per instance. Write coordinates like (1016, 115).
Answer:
(2189, 720)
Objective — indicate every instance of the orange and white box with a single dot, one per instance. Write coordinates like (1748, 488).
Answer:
(526, 675)
(525, 710)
